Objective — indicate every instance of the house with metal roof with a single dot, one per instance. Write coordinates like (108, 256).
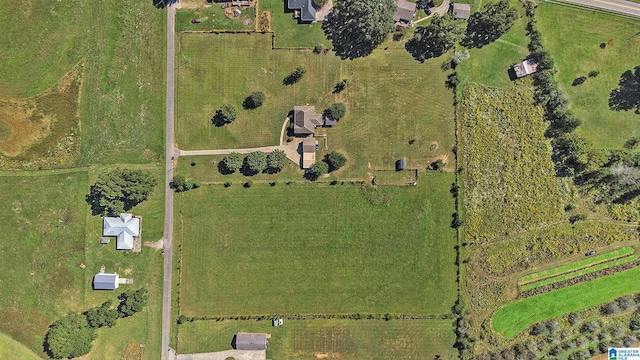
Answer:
(104, 281)
(525, 68)
(460, 11)
(303, 10)
(124, 227)
(251, 341)
(305, 120)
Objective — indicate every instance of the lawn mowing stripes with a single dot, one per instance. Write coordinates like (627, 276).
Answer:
(575, 274)
(576, 265)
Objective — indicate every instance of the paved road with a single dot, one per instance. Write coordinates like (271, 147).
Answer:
(168, 200)
(618, 6)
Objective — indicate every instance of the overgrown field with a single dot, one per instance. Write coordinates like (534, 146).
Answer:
(508, 174)
(384, 120)
(578, 54)
(96, 62)
(344, 339)
(517, 316)
(317, 249)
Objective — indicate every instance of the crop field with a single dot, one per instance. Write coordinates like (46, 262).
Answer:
(577, 273)
(519, 315)
(577, 265)
(384, 121)
(91, 104)
(344, 339)
(580, 53)
(509, 177)
(317, 249)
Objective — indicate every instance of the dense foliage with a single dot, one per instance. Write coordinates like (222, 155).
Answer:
(233, 162)
(488, 25)
(132, 302)
(276, 161)
(317, 170)
(627, 95)
(180, 183)
(294, 76)
(436, 38)
(226, 114)
(254, 100)
(335, 160)
(336, 111)
(120, 190)
(359, 26)
(69, 337)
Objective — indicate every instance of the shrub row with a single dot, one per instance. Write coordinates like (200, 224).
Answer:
(355, 316)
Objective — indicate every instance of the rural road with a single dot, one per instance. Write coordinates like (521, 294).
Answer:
(168, 199)
(617, 6)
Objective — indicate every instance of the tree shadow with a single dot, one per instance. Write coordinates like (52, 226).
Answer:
(223, 169)
(161, 4)
(248, 104)
(627, 96)
(217, 120)
(246, 170)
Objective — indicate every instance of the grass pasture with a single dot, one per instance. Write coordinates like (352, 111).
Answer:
(385, 120)
(11, 349)
(290, 34)
(509, 177)
(42, 277)
(214, 18)
(344, 339)
(578, 54)
(519, 315)
(317, 249)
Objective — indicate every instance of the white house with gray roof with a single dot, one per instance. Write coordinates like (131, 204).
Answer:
(104, 281)
(124, 227)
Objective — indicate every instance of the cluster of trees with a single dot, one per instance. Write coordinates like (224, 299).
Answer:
(359, 26)
(332, 161)
(254, 163)
(336, 111)
(443, 33)
(294, 76)
(180, 183)
(227, 113)
(119, 190)
(72, 335)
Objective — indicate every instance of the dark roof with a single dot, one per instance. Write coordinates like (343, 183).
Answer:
(305, 120)
(460, 11)
(251, 341)
(405, 11)
(307, 11)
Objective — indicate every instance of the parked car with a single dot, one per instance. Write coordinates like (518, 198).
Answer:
(196, 21)
(590, 253)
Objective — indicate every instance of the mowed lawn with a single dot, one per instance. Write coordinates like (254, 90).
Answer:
(43, 246)
(573, 38)
(396, 107)
(288, 32)
(317, 249)
(519, 315)
(343, 339)
(11, 349)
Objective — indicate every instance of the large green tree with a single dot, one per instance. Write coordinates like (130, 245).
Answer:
(132, 302)
(104, 315)
(69, 337)
(436, 38)
(335, 160)
(256, 162)
(276, 161)
(224, 115)
(120, 190)
(317, 170)
(336, 111)
(488, 25)
(359, 26)
(232, 162)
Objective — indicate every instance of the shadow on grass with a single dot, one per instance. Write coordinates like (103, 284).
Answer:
(223, 169)
(627, 96)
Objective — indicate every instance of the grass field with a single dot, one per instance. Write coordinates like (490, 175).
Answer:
(288, 32)
(318, 249)
(385, 100)
(344, 339)
(11, 349)
(115, 50)
(509, 178)
(575, 274)
(517, 316)
(577, 265)
(214, 18)
(578, 54)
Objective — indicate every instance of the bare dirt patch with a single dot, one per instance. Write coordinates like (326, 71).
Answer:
(327, 356)
(25, 124)
(158, 245)
(265, 21)
(132, 352)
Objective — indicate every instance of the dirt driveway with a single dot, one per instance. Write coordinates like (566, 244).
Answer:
(222, 355)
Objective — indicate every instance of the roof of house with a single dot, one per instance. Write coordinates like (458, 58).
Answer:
(460, 11)
(251, 341)
(103, 281)
(308, 152)
(307, 11)
(124, 227)
(525, 68)
(405, 11)
(305, 120)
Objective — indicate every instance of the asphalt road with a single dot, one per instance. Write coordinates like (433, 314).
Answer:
(168, 200)
(618, 6)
